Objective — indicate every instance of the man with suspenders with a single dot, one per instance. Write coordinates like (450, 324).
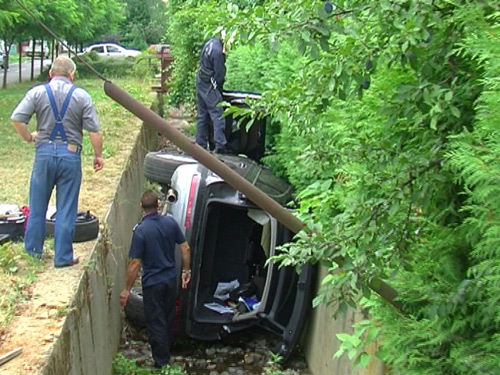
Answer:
(62, 112)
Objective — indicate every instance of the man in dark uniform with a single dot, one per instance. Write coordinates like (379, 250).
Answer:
(209, 82)
(153, 245)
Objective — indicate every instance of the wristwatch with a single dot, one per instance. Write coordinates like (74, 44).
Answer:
(186, 271)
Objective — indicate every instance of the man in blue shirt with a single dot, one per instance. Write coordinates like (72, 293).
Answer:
(153, 246)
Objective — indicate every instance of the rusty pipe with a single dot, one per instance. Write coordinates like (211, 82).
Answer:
(233, 179)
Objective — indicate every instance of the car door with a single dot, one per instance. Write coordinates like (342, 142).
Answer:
(114, 51)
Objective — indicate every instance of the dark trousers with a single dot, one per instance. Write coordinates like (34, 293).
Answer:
(209, 113)
(159, 311)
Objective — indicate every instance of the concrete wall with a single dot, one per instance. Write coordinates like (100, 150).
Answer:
(320, 342)
(91, 333)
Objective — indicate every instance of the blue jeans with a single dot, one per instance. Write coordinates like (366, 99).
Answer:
(54, 166)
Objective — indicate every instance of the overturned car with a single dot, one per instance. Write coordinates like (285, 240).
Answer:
(234, 284)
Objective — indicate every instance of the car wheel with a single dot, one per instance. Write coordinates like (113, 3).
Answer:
(160, 166)
(134, 309)
(86, 226)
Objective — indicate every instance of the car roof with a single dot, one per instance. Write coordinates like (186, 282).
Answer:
(105, 44)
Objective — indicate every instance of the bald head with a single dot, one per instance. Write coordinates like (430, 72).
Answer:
(63, 66)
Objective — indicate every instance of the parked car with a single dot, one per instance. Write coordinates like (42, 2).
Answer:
(112, 50)
(233, 286)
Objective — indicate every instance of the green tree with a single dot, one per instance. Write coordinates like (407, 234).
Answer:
(145, 22)
(94, 20)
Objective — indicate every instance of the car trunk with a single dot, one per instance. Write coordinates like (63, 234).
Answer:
(236, 244)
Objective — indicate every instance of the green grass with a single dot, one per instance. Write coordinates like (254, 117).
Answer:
(17, 270)
(17, 156)
(125, 366)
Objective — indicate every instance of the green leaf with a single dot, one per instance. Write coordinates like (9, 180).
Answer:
(433, 123)
(394, 208)
(363, 359)
(455, 111)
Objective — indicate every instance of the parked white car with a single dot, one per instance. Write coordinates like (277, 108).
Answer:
(111, 50)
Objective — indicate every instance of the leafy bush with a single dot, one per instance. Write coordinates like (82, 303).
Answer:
(109, 68)
(187, 32)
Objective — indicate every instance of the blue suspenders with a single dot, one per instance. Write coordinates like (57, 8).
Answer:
(58, 127)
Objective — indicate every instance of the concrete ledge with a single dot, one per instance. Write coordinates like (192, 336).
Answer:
(90, 335)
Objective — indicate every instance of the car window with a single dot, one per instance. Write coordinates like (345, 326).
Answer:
(113, 49)
(98, 49)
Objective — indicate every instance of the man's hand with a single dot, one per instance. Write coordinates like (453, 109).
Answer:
(98, 163)
(96, 142)
(124, 297)
(186, 278)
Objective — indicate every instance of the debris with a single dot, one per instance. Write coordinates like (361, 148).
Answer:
(10, 355)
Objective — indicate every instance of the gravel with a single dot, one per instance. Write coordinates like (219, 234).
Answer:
(243, 353)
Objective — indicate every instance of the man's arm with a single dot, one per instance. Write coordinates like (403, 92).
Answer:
(132, 272)
(96, 142)
(219, 67)
(23, 131)
(186, 264)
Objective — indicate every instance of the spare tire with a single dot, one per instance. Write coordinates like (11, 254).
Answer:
(86, 226)
(134, 309)
(160, 166)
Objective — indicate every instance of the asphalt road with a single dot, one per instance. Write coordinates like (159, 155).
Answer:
(13, 71)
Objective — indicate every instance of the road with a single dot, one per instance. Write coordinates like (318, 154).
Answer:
(13, 71)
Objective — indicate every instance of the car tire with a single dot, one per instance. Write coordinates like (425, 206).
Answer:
(134, 309)
(86, 226)
(160, 166)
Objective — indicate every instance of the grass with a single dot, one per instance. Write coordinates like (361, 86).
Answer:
(125, 366)
(119, 128)
(17, 273)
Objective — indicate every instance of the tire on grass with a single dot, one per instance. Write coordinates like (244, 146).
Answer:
(86, 226)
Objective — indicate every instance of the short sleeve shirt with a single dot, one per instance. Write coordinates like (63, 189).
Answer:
(153, 242)
(80, 114)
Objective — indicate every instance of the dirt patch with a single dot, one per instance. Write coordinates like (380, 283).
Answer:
(40, 318)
